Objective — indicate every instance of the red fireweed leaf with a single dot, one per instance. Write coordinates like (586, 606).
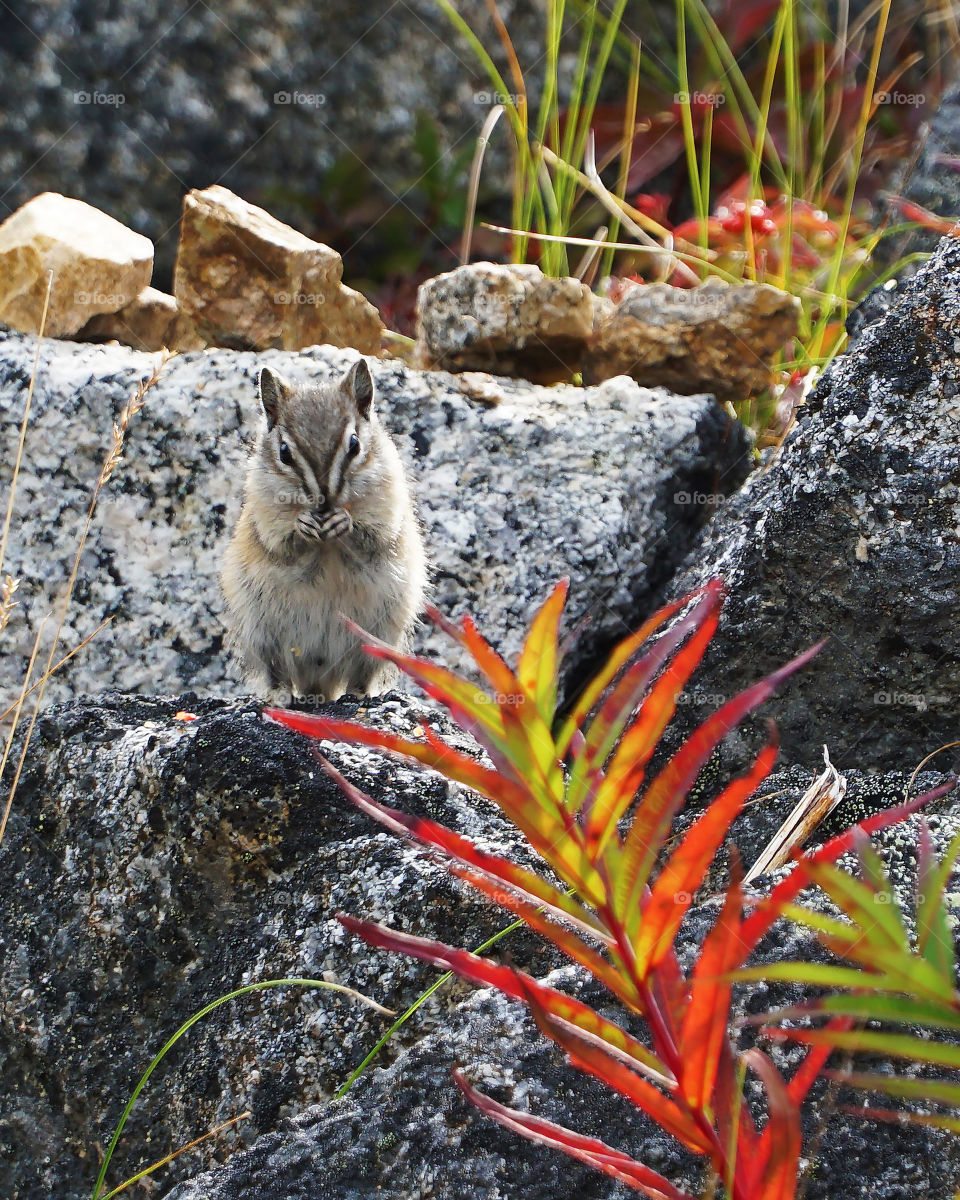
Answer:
(513, 983)
(609, 800)
(616, 981)
(593, 1060)
(470, 708)
(618, 708)
(501, 871)
(619, 657)
(743, 1139)
(539, 659)
(595, 1153)
(538, 824)
(704, 1029)
(776, 1168)
(667, 793)
(672, 893)
(529, 740)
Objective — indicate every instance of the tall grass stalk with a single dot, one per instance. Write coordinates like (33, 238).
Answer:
(130, 409)
(544, 203)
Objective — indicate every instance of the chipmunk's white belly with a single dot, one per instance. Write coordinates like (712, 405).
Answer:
(302, 611)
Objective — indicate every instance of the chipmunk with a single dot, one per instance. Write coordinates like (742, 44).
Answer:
(327, 528)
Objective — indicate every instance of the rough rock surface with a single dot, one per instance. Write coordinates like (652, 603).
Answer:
(247, 280)
(546, 483)
(153, 863)
(853, 533)
(511, 320)
(930, 179)
(712, 338)
(406, 1131)
(98, 264)
(151, 321)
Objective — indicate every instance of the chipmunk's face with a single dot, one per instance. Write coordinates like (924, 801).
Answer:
(318, 439)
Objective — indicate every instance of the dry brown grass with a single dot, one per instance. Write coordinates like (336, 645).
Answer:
(36, 688)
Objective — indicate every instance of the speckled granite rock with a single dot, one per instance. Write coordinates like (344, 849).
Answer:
(152, 864)
(511, 320)
(249, 281)
(853, 533)
(712, 338)
(545, 483)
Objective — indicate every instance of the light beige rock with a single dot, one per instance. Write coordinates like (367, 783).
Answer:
(98, 264)
(151, 321)
(248, 281)
(718, 337)
(509, 320)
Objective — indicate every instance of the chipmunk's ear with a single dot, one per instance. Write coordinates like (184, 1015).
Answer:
(358, 384)
(273, 389)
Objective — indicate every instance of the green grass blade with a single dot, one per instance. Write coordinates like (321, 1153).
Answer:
(188, 1025)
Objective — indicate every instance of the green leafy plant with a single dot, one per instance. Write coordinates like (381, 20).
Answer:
(903, 973)
(769, 130)
(541, 202)
(575, 787)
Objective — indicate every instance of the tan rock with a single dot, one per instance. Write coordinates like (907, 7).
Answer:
(718, 337)
(248, 281)
(151, 321)
(509, 320)
(98, 264)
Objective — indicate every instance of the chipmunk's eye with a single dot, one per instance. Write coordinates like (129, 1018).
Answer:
(285, 456)
(353, 446)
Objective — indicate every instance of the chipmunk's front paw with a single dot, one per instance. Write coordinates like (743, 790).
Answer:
(324, 526)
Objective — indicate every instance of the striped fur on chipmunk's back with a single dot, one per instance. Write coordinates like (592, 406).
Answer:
(327, 528)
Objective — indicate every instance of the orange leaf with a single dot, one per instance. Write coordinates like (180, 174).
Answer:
(672, 894)
(704, 1028)
(621, 654)
(593, 1059)
(515, 984)
(538, 664)
(541, 828)
(618, 708)
(776, 1168)
(624, 772)
(667, 793)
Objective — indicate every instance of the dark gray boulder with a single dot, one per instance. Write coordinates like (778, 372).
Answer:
(513, 495)
(930, 178)
(405, 1132)
(852, 533)
(153, 863)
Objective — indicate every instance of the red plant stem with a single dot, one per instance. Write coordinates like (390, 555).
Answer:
(665, 1043)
